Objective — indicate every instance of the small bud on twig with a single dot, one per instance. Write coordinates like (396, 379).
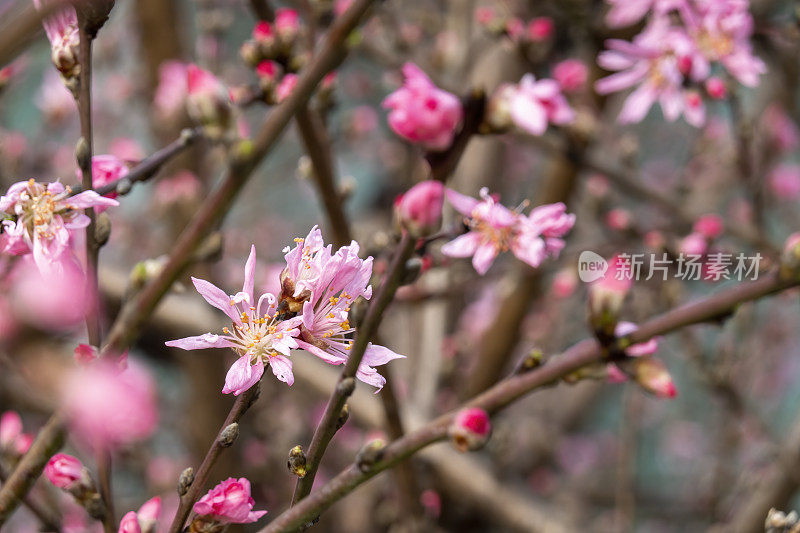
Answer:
(344, 414)
(534, 359)
(297, 462)
(102, 229)
(470, 429)
(229, 435)
(370, 454)
(83, 155)
(185, 481)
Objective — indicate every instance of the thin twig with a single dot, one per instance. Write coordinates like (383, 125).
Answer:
(366, 330)
(239, 408)
(49, 522)
(506, 392)
(318, 147)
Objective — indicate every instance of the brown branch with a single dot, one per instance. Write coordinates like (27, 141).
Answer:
(501, 395)
(48, 441)
(318, 147)
(240, 407)
(444, 163)
(149, 167)
(344, 388)
(49, 522)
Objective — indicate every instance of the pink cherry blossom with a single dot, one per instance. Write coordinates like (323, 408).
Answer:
(571, 74)
(55, 100)
(109, 407)
(262, 32)
(420, 208)
(535, 104)
(129, 523)
(229, 502)
(287, 23)
(143, 521)
(326, 285)
(494, 228)
(43, 218)
(63, 470)
(694, 244)
(710, 226)
(12, 439)
(422, 113)
(715, 88)
(627, 12)
(256, 334)
(207, 99)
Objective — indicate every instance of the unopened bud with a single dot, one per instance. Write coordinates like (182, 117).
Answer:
(533, 360)
(344, 414)
(229, 435)
(83, 155)
(250, 53)
(790, 259)
(470, 429)
(653, 376)
(347, 186)
(606, 295)
(185, 481)
(124, 186)
(715, 88)
(63, 470)
(370, 454)
(297, 462)
(102, 229)
(419, 210)
(146, 270)
(93, 14)
(287, 25)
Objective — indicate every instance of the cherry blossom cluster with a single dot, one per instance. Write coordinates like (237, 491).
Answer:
(682, 45)
(318, 288)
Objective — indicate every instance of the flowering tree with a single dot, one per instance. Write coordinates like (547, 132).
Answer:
(485, 237)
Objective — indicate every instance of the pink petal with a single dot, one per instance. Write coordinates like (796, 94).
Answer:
(462, 203)
(250, 274)
(242, 375)
(282, 368)
(216, 297)
(483, 258)
(201, 342)
(462, 246)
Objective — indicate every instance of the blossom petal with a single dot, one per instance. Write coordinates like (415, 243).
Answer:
(462, 203)
(322, 354)
(483, 258)
(282, 368)
(462, 246)
(201, 342)
(242, 375)
(250, 275)
(216, 297)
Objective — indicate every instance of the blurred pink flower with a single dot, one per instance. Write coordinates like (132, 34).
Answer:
(183, 186)
(781, 128)
(494, 228)
(541, 29)
(422, 113)
(144, 521)
(63, 470)
(12, 439)
(207, 99)
(627, 12)
(363, 120)
(257, 336)
(533, 104)
(716, 88)
(571, 74)
(784, 181)
(126, 149)
(46, 215)
(170, 95)
(57, 299)
(55, 100)
(106, 169)
(657, 62)
(710, 226)
(109, 407)
(694, 244)
(229, 502)
(287, 23)
(420, 208)
(129, 523)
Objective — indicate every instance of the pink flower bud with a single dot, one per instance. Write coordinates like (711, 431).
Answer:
(229, 503)
(571, 74)
(420, 209)
(607, 293)
(267, 71)
(716, 89)
(653, 376)
(470, 429)
(287, 23)
(784, 181)
(130, 523)
(63, 470)
(422, 113)
(208, 101)
(10, 429)
(515, 28)
(484, 15)
(286, 86)
(694, 244)
(263, 32)
(540, 29)
(23, 444)
(709, 226)
(618, 219)
(85, 354)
